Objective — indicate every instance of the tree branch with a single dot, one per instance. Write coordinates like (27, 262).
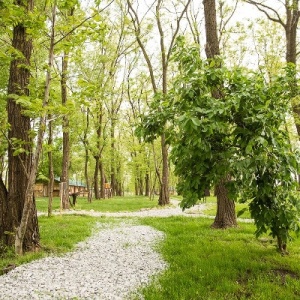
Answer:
(177, 28)
(262, 7)
(137, 29)
(81, 23)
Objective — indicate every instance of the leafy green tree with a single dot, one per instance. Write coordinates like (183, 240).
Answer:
(241, 137)
(225, 216)
(20, 138)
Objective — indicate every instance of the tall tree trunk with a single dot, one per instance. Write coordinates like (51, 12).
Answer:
(86, 175)
(46, 100)
(50, 169)
(19, 166)
(3, 212)
(29, 209)
(164, 196)
(96, 178)
(292, 19)
(102, 178)
(66, 135)
(87, 155)
(147, 184)
(99, 182)
(113, 170)
(226, 216)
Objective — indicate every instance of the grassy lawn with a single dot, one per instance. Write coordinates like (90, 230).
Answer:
(116, 204)
(205, 263)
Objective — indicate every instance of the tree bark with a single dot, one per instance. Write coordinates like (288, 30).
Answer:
(102, 178)
(96, 178)
(87, 155)
(19, 166)
(3, 212)
(46, 99)
(164, 196)
(66, 136)
(50, 169)
(113, 179)
(147, 184)
(99, 168)
(225, 216)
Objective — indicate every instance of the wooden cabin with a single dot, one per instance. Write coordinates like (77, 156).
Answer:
(41, 188)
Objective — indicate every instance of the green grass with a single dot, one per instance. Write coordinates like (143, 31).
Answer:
(59, 234)
(211, 209)
(205, 263)
(116, 204)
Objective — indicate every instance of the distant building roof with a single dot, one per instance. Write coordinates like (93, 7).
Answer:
(73, 182)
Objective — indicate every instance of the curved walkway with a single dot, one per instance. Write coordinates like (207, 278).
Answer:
(112, 264)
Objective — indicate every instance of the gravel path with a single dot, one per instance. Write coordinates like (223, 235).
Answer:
(111, 264)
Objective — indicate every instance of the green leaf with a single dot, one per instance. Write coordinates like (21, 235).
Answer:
(196, 121)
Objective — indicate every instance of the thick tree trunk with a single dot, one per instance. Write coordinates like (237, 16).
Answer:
(19, 166)
(226, 216)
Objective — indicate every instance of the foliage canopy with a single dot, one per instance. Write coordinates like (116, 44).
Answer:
(243, 134)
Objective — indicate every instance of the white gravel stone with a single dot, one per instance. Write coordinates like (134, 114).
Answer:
(111, 264)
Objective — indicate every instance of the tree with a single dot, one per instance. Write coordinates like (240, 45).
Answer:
(23, 158)
(225, 216)
(47, 94)
(20, 139)
(165, 53)
(241, 137)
